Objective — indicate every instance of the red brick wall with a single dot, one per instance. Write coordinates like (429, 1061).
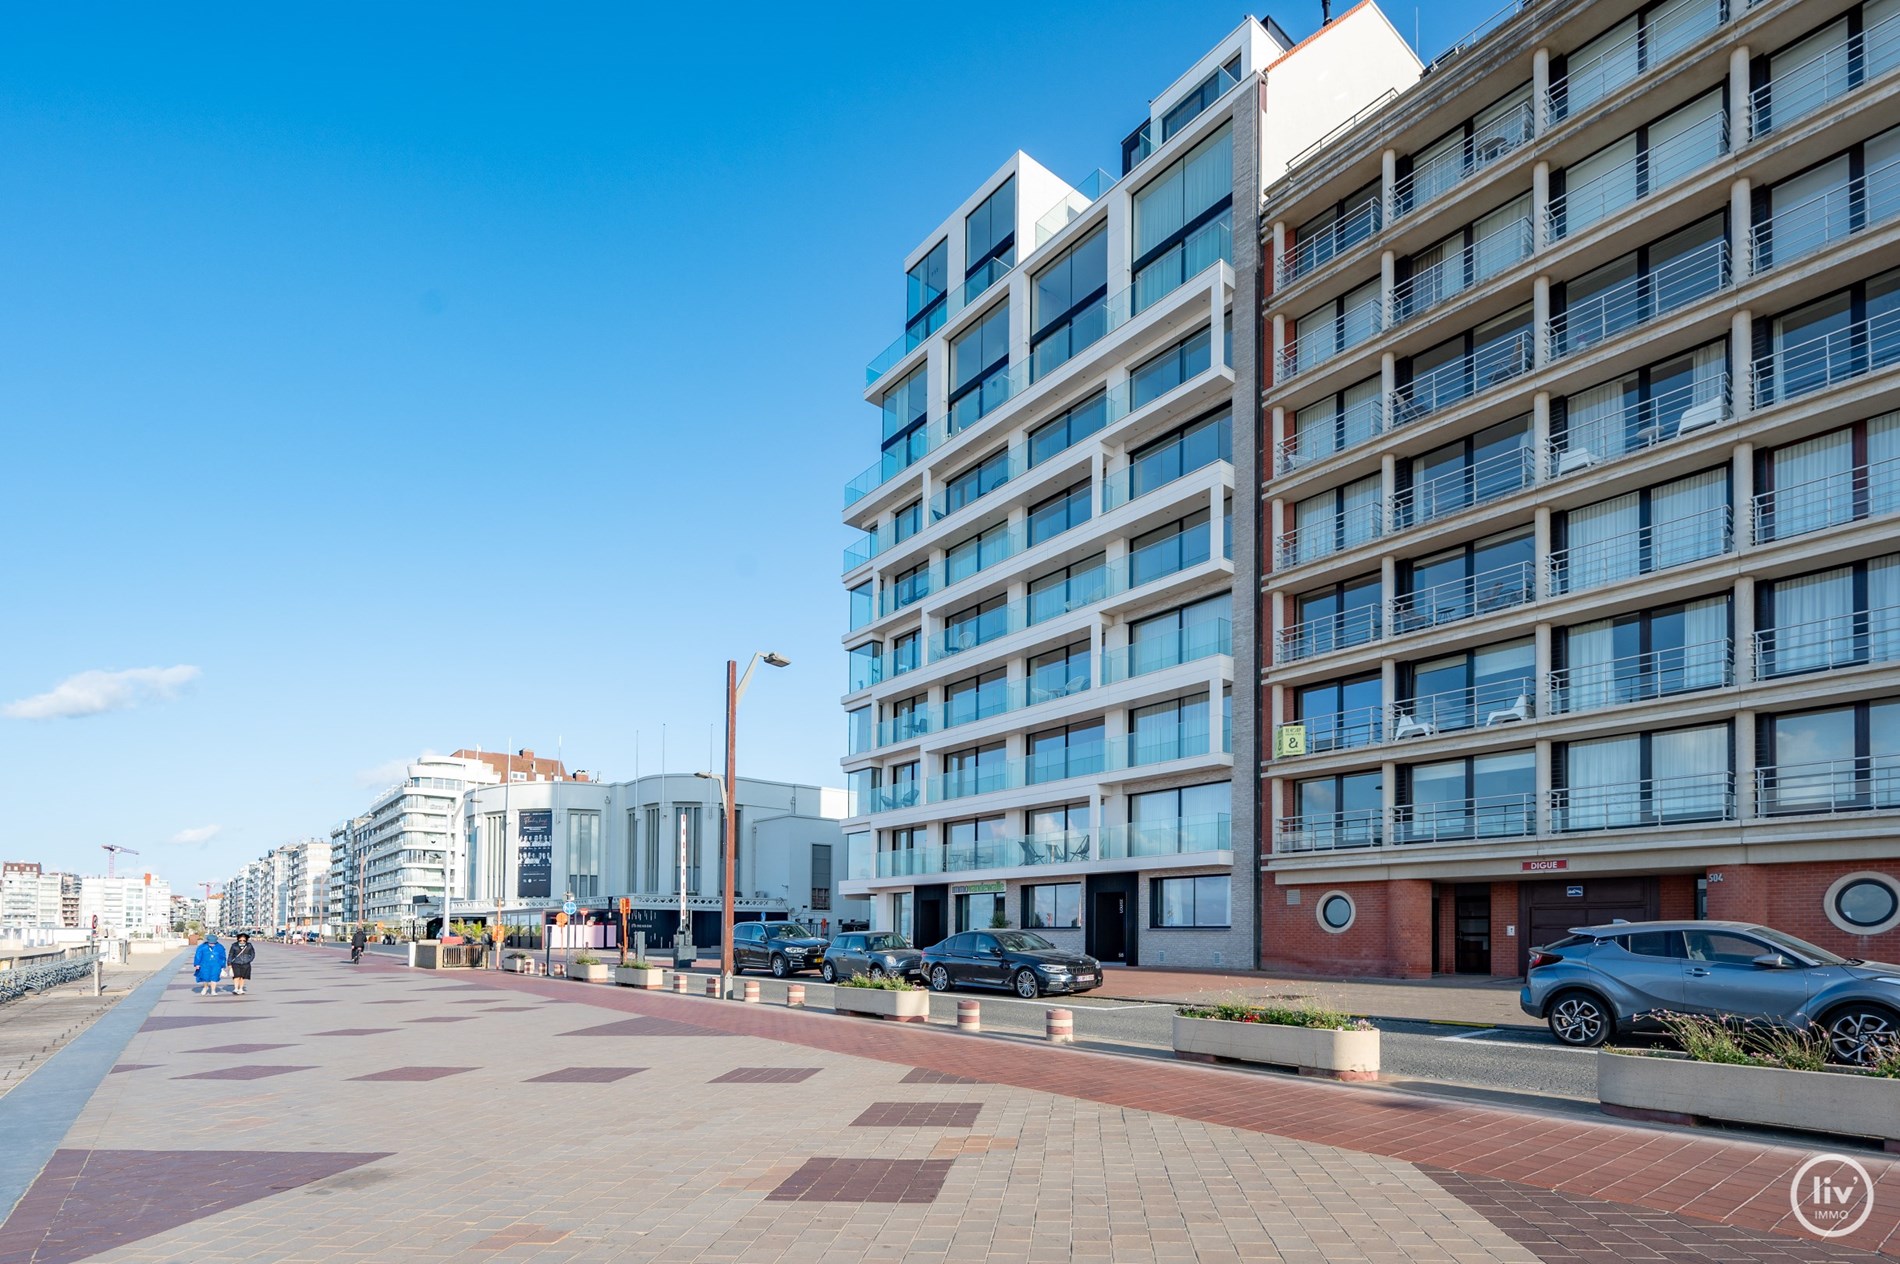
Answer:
(1504, 907)
(1676, 897)
(1391, 934)
(1447, 930)
(1792, 898)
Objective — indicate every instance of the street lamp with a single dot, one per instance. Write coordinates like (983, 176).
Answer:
(735, 689)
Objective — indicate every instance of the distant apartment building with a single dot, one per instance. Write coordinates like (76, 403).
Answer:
(306, 897)
(29, 897)
(1579, 580)
(1042, 629)
(126, 904)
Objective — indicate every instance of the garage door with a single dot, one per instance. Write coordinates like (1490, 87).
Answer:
(1550, 909)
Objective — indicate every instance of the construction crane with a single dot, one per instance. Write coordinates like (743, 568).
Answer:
(113, 851)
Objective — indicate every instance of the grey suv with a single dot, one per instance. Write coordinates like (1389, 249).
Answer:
(1603, 979)
(876, 953)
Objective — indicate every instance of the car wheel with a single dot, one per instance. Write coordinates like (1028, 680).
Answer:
(779, 969)
(1858, 1033)
(877, 972)
(939, 979)
(1580, 1020)
(828, 972)
(1027, 985)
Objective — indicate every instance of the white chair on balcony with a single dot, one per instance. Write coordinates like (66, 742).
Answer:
(1570, 460)
(1707, 413)
(1519, 710)
(1409, 725)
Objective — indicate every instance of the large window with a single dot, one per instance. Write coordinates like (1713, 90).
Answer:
(1650, 158)
(979, 360)
(989, 232)
(1491, 574)
(1060, 512)
(1494, 684)
(926, 287)
(975, 770)
(1834, 618)
(1067, 750)
(1161, 373)
(1340, 714)
(973, 625)
(908, 587)
(583, 853)
(1642, 285)
(1185, 902)
(906, 652)
(1333, 327)
(905, 407)
(1662, 778)
(1470, 148)
(1825, 203)
(1177, 729)
(1648, 654)
(1643, 531)
(976, 698)
(1331, 813)
(1806, 75)
(1068, 588)
(1178, 454)
(1836, 760)
(1065, 431)
(1058, 673)
(977, 481)
(1460, 367)
(1641, 409)
(1180, 635)
(1183, 219)
(1335, 617)
(1471, 256)
(1484, 796)
(1069, 310)
(978, 552)
(905, 718)
(1492, 463)
(1834, 478)
(1053, 906)
(859, 730)
(1180, 544)
(1349, 417)
(1830, 340)
(1632, 46)
(1336, 520)
(974, 844)
(861, 605)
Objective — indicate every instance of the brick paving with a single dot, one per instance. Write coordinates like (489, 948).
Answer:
(898, 1143)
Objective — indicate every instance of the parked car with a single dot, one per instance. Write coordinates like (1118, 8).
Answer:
(784, 948)
(1601, 980)
(878, 953)
(1015, 960)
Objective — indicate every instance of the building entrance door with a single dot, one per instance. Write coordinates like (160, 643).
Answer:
(932, 915)
(1471, 912)
(1109, 928)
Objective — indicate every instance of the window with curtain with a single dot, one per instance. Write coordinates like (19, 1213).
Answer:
(1178, 454)
(1600, 67)
(1161, 373)
(1058, 673)
(1688, 519)
(1808, 211)
(1168, 730)
(1661, 778)
(1067, 750)
(1352, 416)
(1181, 219)
(1833, 618)
(1165, 550)
(1813, 485)
(1337, 519)
(1683, 141)
(1600, 185)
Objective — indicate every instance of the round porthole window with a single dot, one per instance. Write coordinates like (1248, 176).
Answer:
(1864, 903)
(1336, 911)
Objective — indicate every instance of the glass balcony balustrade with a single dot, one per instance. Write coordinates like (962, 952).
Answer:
(1156, 132)
(1073, 205)
(1155, 653)
(961, 296)
(1011, 696)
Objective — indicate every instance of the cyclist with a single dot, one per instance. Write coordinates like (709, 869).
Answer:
(357, 941)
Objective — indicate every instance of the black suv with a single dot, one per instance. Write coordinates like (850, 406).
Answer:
(784, 948)
(1020, 961)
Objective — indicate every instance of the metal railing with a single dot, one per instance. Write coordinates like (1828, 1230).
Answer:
(1464, 820)
(27, 980)
(1628, 183)
(1331, 337)
(1803, 228)
(1461, 379)
(1341, 730)
(1482, 481)
(1840, 640)
(1478, 32)
(1855, 784)
(1824, 78)
(1357, 424)
(1633, 303)
(1708, 796)
(1500, 588)
(1461, 271)
(1690, 538)
(1640, 425)
(1356, 526)
(1828, 501)
(1654, 42)
(1309, 253)
(1485, 705)
(1349, 830)
(1814, 364)
(1444, 171)
(1641, 677)
(1327, 633)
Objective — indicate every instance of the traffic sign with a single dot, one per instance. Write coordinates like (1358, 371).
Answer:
(570, 908)
(626, 906)
(560, 919)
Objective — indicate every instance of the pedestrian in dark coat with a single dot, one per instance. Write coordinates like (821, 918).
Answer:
(243, 953)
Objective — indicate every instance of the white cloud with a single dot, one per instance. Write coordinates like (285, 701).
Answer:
(196, 836)
(97, 692)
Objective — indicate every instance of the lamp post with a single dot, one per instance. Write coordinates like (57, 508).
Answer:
(735, 689)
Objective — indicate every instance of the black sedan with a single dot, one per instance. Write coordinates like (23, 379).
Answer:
(878, 953)
(1017, 961)
(784, 948)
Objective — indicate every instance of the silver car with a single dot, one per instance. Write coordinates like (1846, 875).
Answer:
(1605, 979)
(876, 953)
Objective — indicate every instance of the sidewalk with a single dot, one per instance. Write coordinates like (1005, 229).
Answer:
(34, 1028)
(372, 1113)
(1465, 1001)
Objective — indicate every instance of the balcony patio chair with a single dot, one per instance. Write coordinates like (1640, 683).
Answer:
(1409, 725)
(1030, 854)
(1078, 852)
(1707, 413)
(1518, 710)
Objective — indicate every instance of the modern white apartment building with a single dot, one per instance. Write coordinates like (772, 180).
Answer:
(534, 843)
(29, 897)
(1582, 469)
(1041, 627)
(306, 894)
(126, 905)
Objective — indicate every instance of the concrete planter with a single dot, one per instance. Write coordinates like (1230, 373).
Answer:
(601, 973)
(903, 1007)
(1680, 1090)
(639, 976)
(1340, 1055)
(521, 965)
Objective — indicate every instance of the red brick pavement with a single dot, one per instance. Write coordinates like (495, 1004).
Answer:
(1701, 1176)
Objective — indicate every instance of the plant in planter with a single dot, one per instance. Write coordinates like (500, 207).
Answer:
(890, 998)
(520, 962)
(640, 974)
(585, 967)
(1310, 1037)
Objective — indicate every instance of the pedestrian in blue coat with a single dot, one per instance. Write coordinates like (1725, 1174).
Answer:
(210, 962)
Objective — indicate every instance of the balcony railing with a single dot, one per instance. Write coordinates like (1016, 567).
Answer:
(1840, 640)
(1357, 424)
(1829, 501)
(902, 729)
(1824, 78)
(1015, 465)
(1460, 820)
(887, 799)
(1794, 232)
(1654, 801)
(1160, 745)
(1190, 644)
(1460, 379)
(1690, 538)
(1642, 424)
(1445, 171)
(1641, 677)
(1341, 730)
(1309, 253)
(1456, 273)
(1837, 785)
(1156, 470)
(1482, 481)
(1150, 137)
(1327, 633)
(960, 297)
(1640, 300)
(1015, 696)
(1330, 831)
(1500, 588)
(1357, 525)
(1487, 705)
(1650, 171)
(1661, 37)
(1336, 336)
(1180, 836)
(1071, 207)
(1842, 355)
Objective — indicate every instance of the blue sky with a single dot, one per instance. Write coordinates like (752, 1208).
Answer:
(430, 375)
